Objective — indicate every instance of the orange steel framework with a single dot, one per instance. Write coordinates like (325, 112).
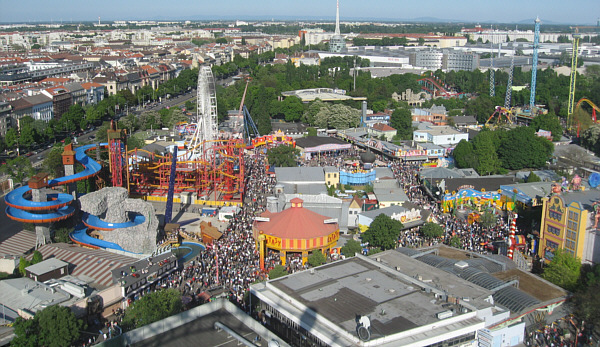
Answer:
(216, 175)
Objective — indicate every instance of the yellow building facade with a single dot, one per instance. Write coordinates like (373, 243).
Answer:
(563, 226)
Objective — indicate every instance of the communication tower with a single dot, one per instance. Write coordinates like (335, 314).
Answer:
(536, 44)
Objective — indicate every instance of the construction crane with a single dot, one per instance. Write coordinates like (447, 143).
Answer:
(574, 57)
(536, 44)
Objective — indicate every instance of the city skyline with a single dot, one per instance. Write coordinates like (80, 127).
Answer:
(510, 11)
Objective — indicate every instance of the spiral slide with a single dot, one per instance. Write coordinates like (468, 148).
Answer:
(58, 205)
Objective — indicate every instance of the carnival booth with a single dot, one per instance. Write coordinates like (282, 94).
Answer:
(295, 230)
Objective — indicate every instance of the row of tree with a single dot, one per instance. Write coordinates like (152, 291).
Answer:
(32, 132)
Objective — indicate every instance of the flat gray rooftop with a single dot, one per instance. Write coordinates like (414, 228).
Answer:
(201, 332)
(341, 291)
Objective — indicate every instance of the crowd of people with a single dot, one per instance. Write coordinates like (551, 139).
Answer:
(232, 261)
(565, 332)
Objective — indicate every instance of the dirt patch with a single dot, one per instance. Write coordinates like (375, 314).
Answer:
(453, 253)
(531, 284)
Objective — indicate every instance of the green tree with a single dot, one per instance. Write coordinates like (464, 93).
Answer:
(337, 117)
(464, 155)
(291, 108)
(455, 242)
(11, 138)
(23, 263)
(586, 303)
(374, 250)
(401, 120)
(153, 307)
(432, 230)
(351, 247)
(53, 162)
(26, 333)
(563, 270)
(590, 139)
(58, 326)
(550, 123)
(283, 156)
(482, 107)
(18, 168)
(314, 108)
(533, 177)
(521, 148)
(54, 326)
(37, 257)
(310, 131)
(383, 232)
(61, 235)
(277, 271)
(488, 219)
(316, 258)
(484, 149)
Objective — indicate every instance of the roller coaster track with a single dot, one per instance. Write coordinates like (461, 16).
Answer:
(432, 86)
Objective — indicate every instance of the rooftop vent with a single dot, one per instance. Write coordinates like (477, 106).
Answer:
(461, 264)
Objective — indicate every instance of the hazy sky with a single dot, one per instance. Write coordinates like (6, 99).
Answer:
(507, 11)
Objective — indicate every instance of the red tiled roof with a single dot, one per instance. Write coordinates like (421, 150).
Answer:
(90, 85)
(383, 127)
(296, 223)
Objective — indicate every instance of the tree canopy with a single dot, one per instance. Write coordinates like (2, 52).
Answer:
(401, 120)
(53, 326)
(283, 156)
(351, 248)
(316, 258)
(432, 230)
(383, 232)
(563, 270)
(277, 271)
(491, 152)
(153, 307)
(18, 168)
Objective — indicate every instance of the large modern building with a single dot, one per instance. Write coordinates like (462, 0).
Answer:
(395, 298)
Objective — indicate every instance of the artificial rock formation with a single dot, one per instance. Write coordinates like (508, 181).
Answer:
(112, 205)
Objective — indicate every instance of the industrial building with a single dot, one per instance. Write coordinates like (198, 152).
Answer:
(409, 298)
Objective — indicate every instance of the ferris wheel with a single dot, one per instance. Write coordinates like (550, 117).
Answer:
(206, 129)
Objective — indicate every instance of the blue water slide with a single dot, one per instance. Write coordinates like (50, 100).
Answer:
(96, 223)
(19, 206)
(80, 235)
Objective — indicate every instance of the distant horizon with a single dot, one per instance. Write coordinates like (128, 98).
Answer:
(552, 12)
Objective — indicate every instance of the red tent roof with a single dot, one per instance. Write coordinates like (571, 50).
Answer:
(296, 223)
